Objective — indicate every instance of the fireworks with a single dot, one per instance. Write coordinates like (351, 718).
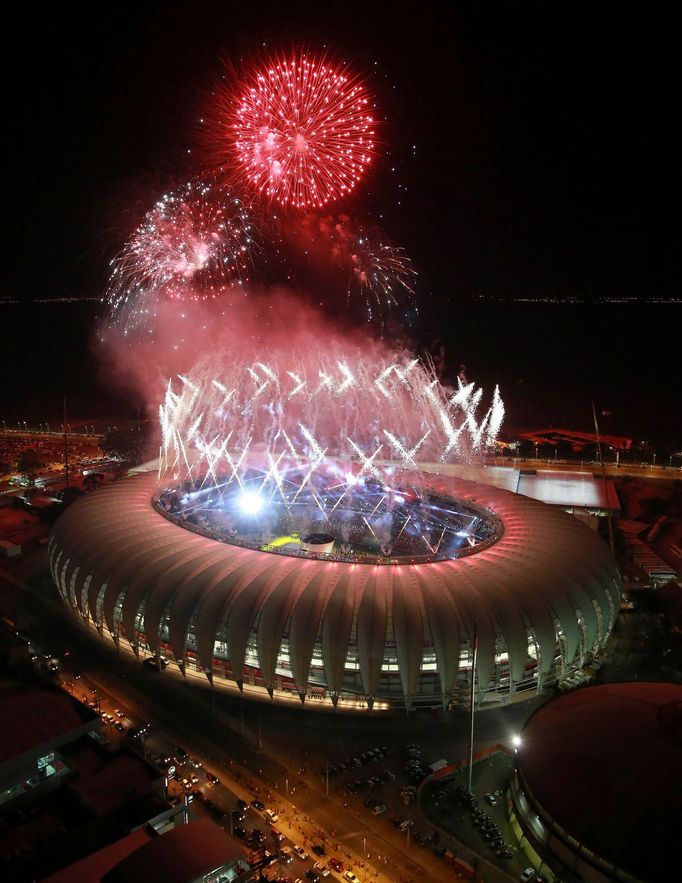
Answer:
(375, 271)
(196, 243)
(300, 131)
(283, 415)
(381, 273)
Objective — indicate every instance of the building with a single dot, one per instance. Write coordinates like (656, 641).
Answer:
(541, 588)
(35, 727)
(596, 791)
(198, 851)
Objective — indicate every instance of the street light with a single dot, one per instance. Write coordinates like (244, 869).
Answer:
(516, 742)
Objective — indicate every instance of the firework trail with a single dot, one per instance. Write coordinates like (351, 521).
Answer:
(380, 273)
(312, 413)
(195, 244)
(376, 273)
(298, 129)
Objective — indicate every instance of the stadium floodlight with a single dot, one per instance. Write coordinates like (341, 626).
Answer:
(250, 502)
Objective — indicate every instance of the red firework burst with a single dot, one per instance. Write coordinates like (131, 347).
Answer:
(301, 131)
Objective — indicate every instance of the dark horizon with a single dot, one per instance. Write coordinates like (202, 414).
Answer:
(526, 154)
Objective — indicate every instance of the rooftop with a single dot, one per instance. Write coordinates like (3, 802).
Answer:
(36, 717)
(606, 764)
(180, 855)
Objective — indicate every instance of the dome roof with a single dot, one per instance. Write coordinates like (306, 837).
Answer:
(605, 763)
(547, 576)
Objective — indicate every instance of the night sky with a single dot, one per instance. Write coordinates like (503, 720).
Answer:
(528, 152)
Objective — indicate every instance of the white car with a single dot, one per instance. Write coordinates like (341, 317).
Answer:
(271, 816)
(321, 869)
(301, 853)
(350, 877)
(528, 874)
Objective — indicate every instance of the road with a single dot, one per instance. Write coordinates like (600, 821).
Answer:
(258, 750)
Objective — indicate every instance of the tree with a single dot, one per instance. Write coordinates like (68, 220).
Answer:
(91, 482)
(70, 495)
(28, 461)
(126, 444)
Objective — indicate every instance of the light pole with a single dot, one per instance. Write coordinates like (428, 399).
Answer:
(473, 703)
(286, 786)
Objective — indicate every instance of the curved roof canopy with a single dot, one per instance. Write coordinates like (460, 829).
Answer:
(547, 569)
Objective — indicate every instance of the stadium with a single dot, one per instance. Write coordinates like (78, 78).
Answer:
(366, 599)
(596, 789)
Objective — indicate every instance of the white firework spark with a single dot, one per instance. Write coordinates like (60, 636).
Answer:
(333, 414)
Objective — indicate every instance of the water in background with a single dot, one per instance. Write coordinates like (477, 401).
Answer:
(550, 361)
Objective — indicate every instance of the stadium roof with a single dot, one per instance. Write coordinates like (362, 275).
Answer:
(546, 567)
(606, 764)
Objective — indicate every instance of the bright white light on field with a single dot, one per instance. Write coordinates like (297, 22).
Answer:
(516, 741)
(250, 502)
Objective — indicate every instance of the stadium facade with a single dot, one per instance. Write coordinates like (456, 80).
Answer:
(542, 595)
